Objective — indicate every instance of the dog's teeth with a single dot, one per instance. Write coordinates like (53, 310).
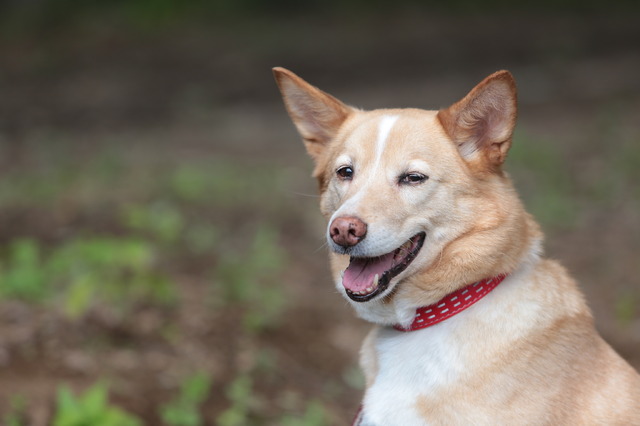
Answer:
(376, 278)
(369, 289)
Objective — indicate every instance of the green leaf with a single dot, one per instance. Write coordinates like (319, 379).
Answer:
(91, 409)
(95, 400)
(196, 388)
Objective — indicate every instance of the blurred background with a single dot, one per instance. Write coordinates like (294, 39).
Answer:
(161, 249)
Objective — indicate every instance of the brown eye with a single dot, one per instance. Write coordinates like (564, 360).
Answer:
(412, 178)
(345, 173)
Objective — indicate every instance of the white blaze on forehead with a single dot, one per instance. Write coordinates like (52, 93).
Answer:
(384, 128)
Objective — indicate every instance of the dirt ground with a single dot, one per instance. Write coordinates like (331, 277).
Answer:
(155, 102)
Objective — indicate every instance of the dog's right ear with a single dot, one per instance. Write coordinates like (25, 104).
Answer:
(317, 115)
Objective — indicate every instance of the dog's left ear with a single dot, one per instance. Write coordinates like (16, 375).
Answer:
(481, 124)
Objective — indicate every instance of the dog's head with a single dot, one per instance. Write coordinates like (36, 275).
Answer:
(416, 201)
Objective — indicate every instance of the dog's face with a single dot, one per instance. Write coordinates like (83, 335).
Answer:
(399, 186)
(394, 188)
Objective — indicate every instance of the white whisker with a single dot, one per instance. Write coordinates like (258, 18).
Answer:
(304, 195)
(324, 244)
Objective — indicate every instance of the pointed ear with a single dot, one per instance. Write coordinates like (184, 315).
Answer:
(481, 124)
(317, 115)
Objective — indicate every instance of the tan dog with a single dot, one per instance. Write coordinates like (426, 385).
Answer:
(427, 234)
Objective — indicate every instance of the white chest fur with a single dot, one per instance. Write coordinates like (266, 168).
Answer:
(410, 364)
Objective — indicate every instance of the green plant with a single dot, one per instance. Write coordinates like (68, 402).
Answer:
(21, 275)
(201, 237)
(624, 172)
(90, 409)
(353, 377)
(626, 307)
(184, 409)
(239, 393)
(190, 183)
(161, 220)
(222, 182)
(118, 272)
(314, 415)
(17, 411)
(251, 279)
(548, 189)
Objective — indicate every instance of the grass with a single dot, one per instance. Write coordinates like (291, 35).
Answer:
(89, 409)
(239, 393)
(314, 415)
(79, 274)
(171, 210)
(244, 403)
(558, 187)
(626, 307)
(153, 224)
(250, 278)
(16, 415)
(162, 221)
(183, 410)
(541, 173)
(222, 182)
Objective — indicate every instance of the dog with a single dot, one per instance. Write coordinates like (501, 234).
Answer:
(430, 242)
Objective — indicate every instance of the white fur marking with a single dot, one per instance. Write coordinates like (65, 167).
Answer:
(384, 128)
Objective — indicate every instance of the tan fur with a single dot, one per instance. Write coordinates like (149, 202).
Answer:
(561, 368)
(531, 352)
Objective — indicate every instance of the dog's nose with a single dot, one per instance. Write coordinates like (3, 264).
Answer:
(347, 231)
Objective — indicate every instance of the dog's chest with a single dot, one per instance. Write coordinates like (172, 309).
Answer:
(410, 365)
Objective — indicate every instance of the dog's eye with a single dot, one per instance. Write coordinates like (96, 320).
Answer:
(345, 172)
(412, 178)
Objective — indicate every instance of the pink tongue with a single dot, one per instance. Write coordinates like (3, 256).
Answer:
(359, 275)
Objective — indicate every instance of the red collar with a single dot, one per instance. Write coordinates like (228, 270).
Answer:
(450, 305)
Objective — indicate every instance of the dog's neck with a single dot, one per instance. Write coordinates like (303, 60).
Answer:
(452, 304)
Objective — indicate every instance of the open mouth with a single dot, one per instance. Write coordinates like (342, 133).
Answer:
(366, 277)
